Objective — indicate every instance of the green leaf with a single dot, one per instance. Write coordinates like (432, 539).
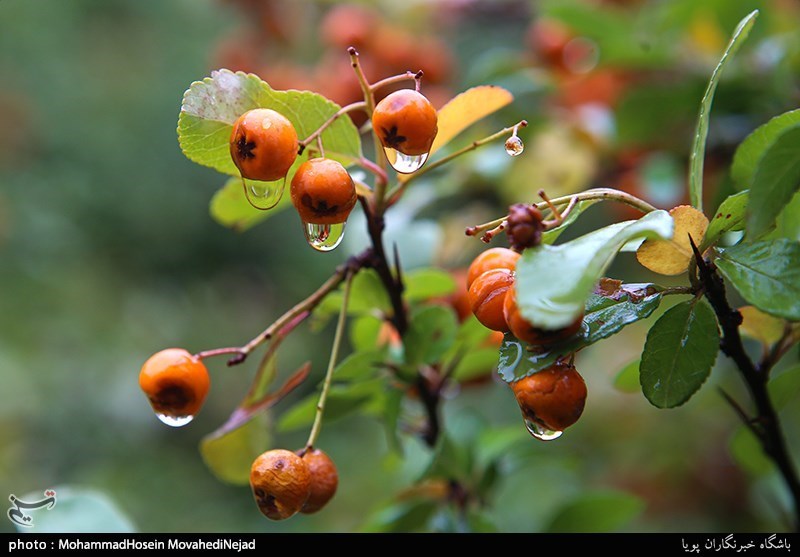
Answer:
(229, 455)
(752, 149)
(392, 408)
(358, 366)
(477, 363)
(605, 314)
(211, 106)
(364, 331)
(776, 180)
(402, 516)
(431, 333)
(424, 284)
(604, 511)
(785, 388)
(342, 401)
(748, 453)
(766, 274)
(76, 511)
(788, 224)
(701, 131)
(554, 282)
(229, 207)
(679, 353)
(729, 216)
(627, 380)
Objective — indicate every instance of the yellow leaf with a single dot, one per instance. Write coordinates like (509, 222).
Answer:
(465, 109)
(762, 327)
(671, 257)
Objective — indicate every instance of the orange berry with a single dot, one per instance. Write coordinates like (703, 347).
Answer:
(281, 483)
(263, 144)
(406, 121)
(486, 297)
(323, 192)
(324, 480)
(176, 382)
(527, 332)
(553, 398)
(494, 258)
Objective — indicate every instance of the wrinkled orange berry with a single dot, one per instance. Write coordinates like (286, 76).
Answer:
(494, 258)
(323, 192)
(281, 483)
(263, 144)
(486, 297)
(175, 382)
(525, 331)
(324, 480)
(553, 398)
(406, 121)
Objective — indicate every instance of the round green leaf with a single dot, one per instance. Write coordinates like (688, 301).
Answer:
(211, 106)
(554, 282)
(766, 274)
(597, 512)
(679, 353)
(77, 511)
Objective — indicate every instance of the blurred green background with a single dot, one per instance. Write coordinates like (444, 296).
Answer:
(108, 252)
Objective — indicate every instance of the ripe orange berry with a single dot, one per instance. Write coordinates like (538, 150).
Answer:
(406, 121)
(281, 483)
(494, 258)
(553, 398)
(323, 192)
(176, 382)
(263, 144)
(486, 297)
(324, 480)
(525, 331)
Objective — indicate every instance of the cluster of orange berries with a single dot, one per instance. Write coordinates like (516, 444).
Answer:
(552, 399)
(284, 483)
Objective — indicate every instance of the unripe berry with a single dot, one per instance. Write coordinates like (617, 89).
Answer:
(263, 145)
(324, 480)
(525, 331)
(175, 382)
(406, 121)
(486, 297)
(281, 483)
(323, 192)
(494, 258)
(552, 398)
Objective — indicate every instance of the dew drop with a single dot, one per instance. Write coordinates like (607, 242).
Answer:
(175, 421)
(263, 195)
(324, 237)
(405, 164)
(541, 432)
(514, 146)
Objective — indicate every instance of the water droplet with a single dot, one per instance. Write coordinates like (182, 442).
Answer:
(405, 164)
(263, 195)
(540, 432)
(175, 421)
(514, 146)
(324, 237)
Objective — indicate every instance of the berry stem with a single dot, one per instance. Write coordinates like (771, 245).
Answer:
(396, 79)
(598, 194)
(369, 104)
(361, 105)
(406, 179)
(337, 341)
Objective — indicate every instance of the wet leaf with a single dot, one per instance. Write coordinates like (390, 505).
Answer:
(729, 216)
(554, 282)
(752, 149)
(766, 274)
(431, 333)
(427, 283)
(679, 353)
